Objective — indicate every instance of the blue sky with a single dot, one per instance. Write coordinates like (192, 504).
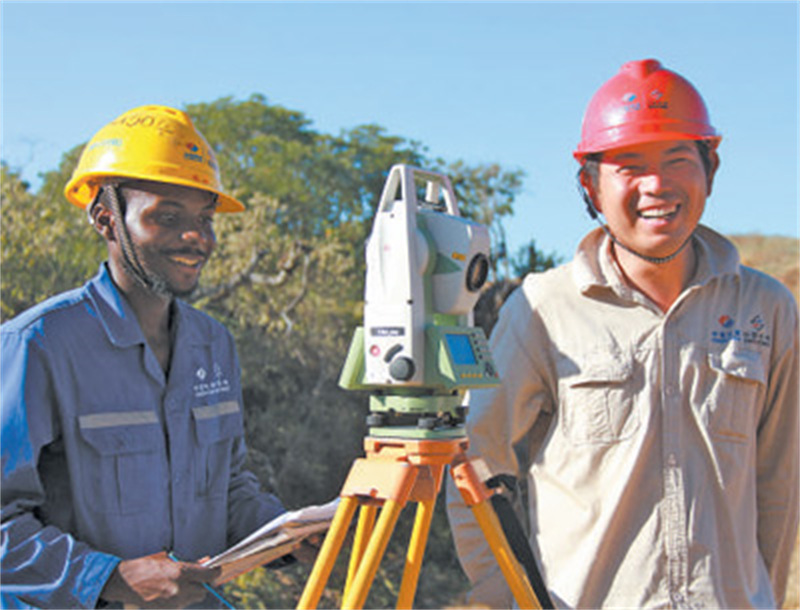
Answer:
(485, 82)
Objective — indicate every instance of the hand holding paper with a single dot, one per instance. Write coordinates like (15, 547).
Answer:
(277, 538)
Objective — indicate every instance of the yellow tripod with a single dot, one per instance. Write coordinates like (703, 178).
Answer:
(394, 472)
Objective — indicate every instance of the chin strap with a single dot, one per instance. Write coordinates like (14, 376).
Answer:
(657, 260)
(112, 197)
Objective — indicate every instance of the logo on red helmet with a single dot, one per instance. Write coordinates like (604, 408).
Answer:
(630, 102)
(656, 100)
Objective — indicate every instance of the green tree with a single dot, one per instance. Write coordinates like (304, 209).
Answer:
(486, 194)
(47, 245)
(529, 259)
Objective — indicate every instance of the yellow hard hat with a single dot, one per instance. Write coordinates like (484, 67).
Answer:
(148, 143)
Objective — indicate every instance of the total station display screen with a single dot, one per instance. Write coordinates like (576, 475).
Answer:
(461, 349)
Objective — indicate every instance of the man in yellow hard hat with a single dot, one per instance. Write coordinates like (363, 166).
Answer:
(122, 430)
(654, 379)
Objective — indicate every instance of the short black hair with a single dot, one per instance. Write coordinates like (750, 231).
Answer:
(590, 168)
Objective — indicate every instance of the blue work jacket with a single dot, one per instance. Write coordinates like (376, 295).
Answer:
(104, 457)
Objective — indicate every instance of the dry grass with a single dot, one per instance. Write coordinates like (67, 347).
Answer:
(780, 257)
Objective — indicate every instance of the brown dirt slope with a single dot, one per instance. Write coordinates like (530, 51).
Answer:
(780, 257)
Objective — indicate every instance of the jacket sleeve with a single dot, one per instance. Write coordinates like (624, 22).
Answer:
(40, 565)
(497, 419)
(777, 458)
(249, 507)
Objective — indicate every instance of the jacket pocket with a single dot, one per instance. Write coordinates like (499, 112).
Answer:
(738, 377)
(216, 428)
(121, 466)
(597, 402)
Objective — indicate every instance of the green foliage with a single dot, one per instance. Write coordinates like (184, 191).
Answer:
(486, 194)
(531, 260)
(287, 279)
(47, 245)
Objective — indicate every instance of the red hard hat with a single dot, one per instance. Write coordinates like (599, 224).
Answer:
(644, 102)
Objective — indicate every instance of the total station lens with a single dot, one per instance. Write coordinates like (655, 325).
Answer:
(477, 272)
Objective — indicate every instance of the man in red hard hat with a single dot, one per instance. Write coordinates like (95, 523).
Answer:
(653, 380)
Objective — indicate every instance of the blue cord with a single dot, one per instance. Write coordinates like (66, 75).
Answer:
(207, 587)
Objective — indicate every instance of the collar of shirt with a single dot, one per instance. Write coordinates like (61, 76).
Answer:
(119, 320)
(594, 265)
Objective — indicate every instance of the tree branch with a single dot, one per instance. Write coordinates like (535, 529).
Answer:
(298, 253)
(304, 254)
(220, 291)
(286, 266)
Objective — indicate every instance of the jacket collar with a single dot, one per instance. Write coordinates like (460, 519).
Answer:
(119, 320)
(114, 311)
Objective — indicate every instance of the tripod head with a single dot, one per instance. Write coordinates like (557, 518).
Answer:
(418, 351)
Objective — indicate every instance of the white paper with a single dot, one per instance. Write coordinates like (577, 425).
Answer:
(290, 527)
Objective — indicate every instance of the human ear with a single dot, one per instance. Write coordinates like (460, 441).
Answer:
(589, 192)
(103, 221)
(713, 166)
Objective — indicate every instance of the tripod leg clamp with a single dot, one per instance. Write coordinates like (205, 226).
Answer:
(476, 485)
(469, 476)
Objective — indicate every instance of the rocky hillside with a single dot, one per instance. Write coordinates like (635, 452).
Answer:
(778, 256)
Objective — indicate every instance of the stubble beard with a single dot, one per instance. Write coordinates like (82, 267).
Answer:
(154, 282)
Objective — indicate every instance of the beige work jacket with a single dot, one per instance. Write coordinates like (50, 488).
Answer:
(665, 473)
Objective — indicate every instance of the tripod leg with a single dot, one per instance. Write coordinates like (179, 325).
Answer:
(416, 551)
(328, 553)
(478, 497)
(366, 523)
(514, 574)
(368, 567)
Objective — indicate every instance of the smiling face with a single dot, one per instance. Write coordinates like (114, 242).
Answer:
(652, 195)
(172, 234)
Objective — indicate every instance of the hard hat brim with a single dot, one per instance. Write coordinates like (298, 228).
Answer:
(581, 153)
(83, 190)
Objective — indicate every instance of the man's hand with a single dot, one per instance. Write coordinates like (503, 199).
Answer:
(156, 581)
(306, 552)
